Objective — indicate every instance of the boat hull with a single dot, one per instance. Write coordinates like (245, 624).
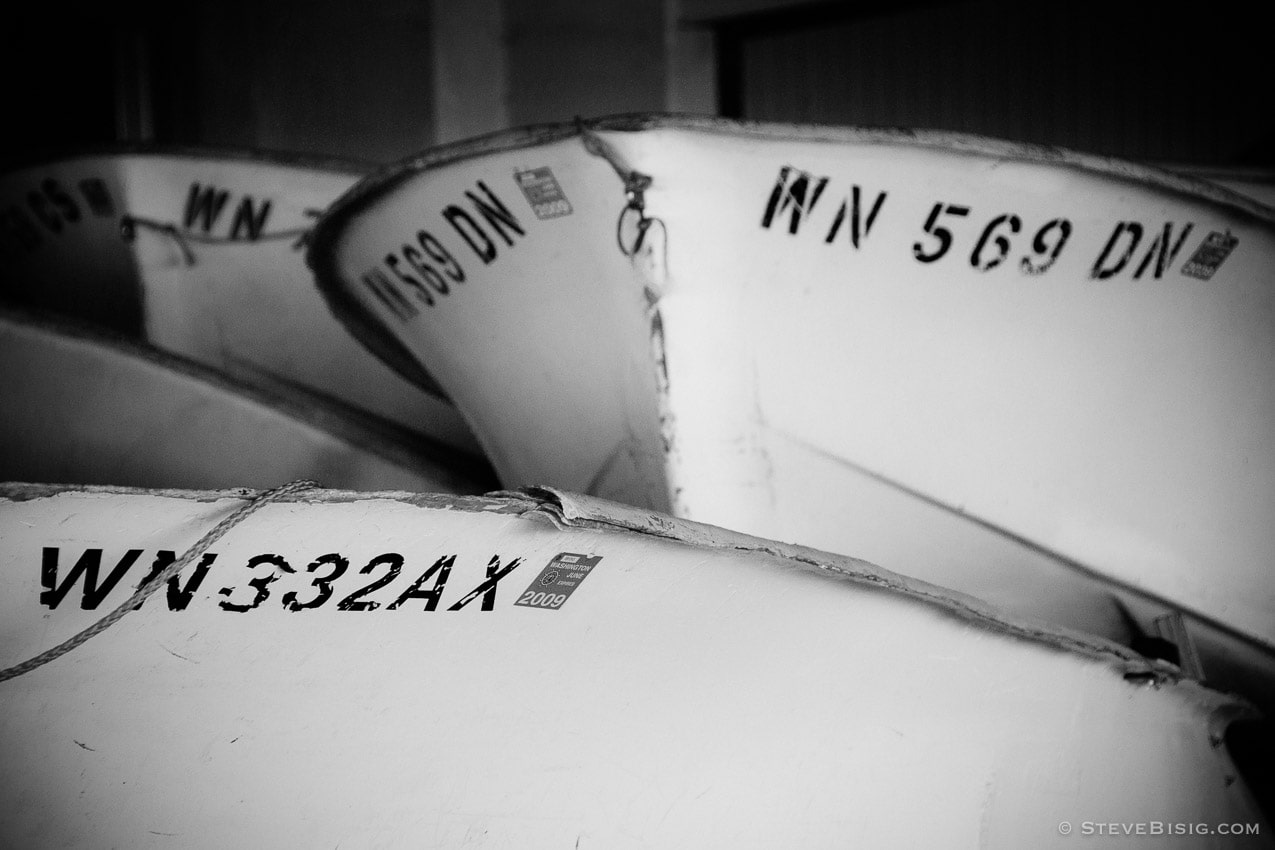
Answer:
(199, 253)
(884, 343)
(83, 407)
(373, 669)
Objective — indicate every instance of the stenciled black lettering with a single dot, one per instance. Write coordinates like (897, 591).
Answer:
(261, 584)
(441, 255)
(97, 196)
(322, 584)
(65, 203)
(495, 213)
(475, 237)
(1131, 229)
(1161, 252)
(40, 206)
(179, 596)
(304, 238)
(425, 270)
(860, 227)
(488, 588)
(387, 293)
(1008, 221)
(942, 234)
(203, 205)
(355, 601)
(87, 566)
(1060, 228)
(415, 286)
(786, 195)
(443, 568)
(249, 220)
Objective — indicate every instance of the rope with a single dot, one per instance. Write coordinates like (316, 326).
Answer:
(201, 546)
(130, 223)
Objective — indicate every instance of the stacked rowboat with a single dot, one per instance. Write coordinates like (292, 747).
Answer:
(1020, 393)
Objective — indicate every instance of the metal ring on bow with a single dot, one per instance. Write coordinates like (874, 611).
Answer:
(642, 224)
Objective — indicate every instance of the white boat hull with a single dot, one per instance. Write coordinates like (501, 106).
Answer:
(81, 407)
(213, 270)
(1010, 370)
(677, 686)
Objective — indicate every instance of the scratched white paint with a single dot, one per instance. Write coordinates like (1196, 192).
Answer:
(858, 398)
(697, 688)
(244, 306)
(83, 408)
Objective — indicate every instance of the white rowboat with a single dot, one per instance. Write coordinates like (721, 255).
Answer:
(211, 269)
(545, 670)
(1032, 375)
(87, 408)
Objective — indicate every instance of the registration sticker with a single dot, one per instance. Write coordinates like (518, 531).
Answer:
(1206, 259)
(543, 193)
(558, 580)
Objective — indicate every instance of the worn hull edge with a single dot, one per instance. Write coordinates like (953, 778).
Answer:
(321, 250)
(569, 510)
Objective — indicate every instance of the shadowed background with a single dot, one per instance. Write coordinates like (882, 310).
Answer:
(381, 79)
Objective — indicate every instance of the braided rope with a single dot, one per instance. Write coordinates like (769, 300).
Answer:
(196, 551)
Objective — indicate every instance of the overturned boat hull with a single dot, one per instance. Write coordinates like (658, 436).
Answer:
(547, 670)
(88, 408)
(199, 253)
(1033, 375)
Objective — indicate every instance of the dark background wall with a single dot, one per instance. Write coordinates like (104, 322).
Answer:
(381, 79)
(572, 58)
(320, 76)
(1135, 80)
